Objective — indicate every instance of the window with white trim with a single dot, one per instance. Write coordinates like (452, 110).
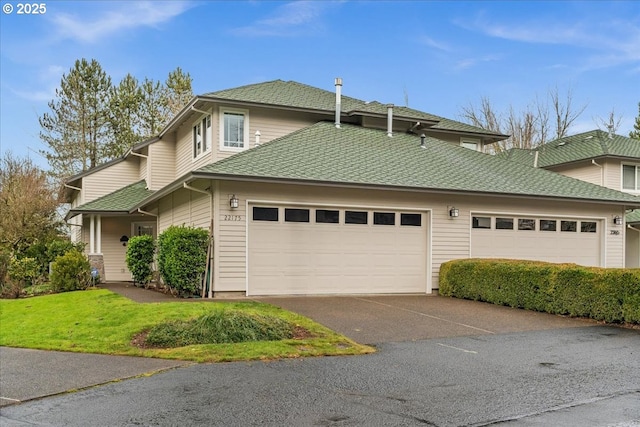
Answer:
(630, 178)
(202, 136)
(234, 129)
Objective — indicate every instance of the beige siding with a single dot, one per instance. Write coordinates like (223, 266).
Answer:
(142, 173)
(112, 250)
(184, 147)
(110, 179)
(272, 124)
(162, 158)
(613, 174)
(585, 171)
(184, 207)
(450, 238)
(632, 249)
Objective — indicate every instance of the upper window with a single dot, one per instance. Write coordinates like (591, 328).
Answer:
(234, 129)
(202, 136)
(630, 178)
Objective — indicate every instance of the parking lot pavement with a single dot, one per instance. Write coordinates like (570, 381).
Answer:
(29, 374)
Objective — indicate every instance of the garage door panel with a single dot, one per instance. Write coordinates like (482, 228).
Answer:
(553, 246)
(309, 258)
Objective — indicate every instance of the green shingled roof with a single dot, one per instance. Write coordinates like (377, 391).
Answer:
(632, 217)
(297, 95)
(356, 155)
(120, 201)
(583, 146)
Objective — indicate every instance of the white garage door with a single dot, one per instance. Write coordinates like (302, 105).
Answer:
(302, 250)
(568, 240)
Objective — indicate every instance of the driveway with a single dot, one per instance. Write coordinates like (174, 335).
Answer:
(380, 319)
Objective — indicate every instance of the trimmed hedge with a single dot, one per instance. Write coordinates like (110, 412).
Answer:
(182, 258)
(608, 294)
(139, 257)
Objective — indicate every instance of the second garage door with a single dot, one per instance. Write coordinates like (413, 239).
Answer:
(549, 239)
(317, 250)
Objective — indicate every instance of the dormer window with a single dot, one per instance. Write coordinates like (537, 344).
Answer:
(234, 129)
(202, 136)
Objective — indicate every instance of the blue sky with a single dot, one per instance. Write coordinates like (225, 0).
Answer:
(438, 56)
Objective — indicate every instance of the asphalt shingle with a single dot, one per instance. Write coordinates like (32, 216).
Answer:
(119, 201)
(352, 154)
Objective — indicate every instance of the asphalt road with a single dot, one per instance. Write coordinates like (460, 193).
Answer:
(580, 376)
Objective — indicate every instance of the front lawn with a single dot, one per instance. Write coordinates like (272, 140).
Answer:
(100, 321)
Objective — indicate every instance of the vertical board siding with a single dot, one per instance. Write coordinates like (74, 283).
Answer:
(162, 156)
(110, 179)
(142, 171)
(613, 174)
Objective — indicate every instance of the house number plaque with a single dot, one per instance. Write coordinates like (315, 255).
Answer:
(233, 217)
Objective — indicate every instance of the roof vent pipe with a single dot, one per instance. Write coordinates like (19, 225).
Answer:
(422, 138)
(389, 120)
(338, 83)
(258, 137)
(535, 159)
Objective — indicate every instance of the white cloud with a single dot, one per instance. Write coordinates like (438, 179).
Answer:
(609, 42)
(466, 63)
(291, 19)
(428, 41)
(127, 16)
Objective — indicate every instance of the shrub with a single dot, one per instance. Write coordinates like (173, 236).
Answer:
(47, 251)
(71, 272)
(5, 261)
(139, 257)
(220, 327)
(182, 257)
(610, 295)
(24, 271)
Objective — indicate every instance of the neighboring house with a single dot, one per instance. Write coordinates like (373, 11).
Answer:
(598, 157)
(311, 192)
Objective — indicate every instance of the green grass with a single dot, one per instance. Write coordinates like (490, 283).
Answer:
(100, 321)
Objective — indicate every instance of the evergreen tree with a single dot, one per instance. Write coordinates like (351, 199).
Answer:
(178, 92)
(635, 133)
(76, 129)
(124, 120)
(153, 107)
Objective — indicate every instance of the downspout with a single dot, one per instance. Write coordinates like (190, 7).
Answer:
(535, 159)
(390, 120)
(593, 162)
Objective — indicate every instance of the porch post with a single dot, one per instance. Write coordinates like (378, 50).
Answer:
(99, 235)
(92, 235)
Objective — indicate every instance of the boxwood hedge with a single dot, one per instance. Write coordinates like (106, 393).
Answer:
(608, 294)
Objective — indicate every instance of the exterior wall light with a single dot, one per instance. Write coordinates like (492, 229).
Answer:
(124, 240)
(454, 212)
(233, 202)
(617, 220)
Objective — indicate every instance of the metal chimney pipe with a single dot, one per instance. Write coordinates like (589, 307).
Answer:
(338, 83)
(389, 120)
(422, 138)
